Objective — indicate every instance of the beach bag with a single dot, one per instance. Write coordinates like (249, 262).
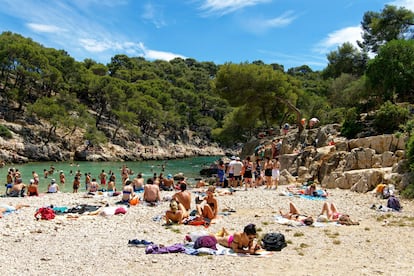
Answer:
(134, 201)
(206, 241)
(45, 213)
(394, 203)
(274, 242)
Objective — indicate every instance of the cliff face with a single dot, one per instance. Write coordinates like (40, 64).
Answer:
(29, 143)
(336, 162)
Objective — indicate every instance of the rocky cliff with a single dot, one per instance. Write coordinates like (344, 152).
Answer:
(29, 143)
(336, 162)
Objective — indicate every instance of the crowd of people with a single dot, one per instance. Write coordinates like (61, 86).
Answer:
(248, 173)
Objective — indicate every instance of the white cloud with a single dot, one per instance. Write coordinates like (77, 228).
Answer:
(43, 28)
(409, 4)
(281, 21)
(93, 45)
(260, 25)
(223, 7)
(154, 15)
(337, 38)
(153, 54)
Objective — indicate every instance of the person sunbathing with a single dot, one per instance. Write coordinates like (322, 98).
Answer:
(240, 242)
(151, 192)
(208, 210)
(183, 198)
(6, 209)
(127, 192)
(332, 214)
(294, 214)
(175, 214)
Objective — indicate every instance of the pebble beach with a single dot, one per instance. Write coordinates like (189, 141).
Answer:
(382, 243)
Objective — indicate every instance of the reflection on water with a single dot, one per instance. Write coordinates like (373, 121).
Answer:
(189, 166)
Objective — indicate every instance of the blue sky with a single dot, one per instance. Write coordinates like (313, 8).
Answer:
(287, 32)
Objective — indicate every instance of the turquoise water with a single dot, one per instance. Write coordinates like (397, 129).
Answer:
(189, 166)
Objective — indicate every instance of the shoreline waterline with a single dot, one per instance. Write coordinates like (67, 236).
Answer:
(190, 167)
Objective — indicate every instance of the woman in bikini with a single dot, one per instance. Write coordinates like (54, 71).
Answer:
(210, 208)
(268, 166)
(332, 214)
(240, 242)
(127, 191)
(294, 214)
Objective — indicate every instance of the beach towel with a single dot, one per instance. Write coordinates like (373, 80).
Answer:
(197, 221)
(294, 223)
(312, 197)
(222, 251)
(157, 249)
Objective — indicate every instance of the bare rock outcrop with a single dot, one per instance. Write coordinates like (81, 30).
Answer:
(335, 162)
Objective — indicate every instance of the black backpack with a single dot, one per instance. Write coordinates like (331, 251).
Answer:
(274, 242)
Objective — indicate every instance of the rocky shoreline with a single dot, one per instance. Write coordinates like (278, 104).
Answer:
(28, 145)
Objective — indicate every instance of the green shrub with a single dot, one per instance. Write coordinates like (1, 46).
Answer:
(5, 132)
(390, 117)
(351, 126)
(408, 191)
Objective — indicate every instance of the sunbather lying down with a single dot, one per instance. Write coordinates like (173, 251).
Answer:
(9, 208)
(294, 214)
(332, 214)
(240, 242)
(328, 213)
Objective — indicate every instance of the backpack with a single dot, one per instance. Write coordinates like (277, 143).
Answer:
(394, 203)
(46, 213)
(274, 242)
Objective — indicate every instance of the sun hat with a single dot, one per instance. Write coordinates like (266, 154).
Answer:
(53, 181)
